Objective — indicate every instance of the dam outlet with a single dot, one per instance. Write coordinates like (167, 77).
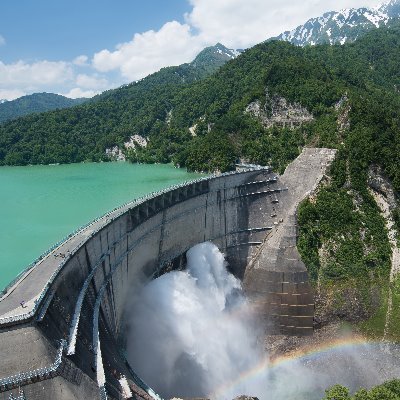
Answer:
(69, 339)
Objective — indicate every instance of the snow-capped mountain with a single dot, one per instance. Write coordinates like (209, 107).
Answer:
(343, 26)
(2, 101)
(217, 53)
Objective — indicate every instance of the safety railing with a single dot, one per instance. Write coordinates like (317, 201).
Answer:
(20, 396)
(103, 393)
(77, 311)
(39, 374)
(108, 218)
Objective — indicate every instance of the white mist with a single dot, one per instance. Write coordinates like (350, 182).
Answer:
(191, 332)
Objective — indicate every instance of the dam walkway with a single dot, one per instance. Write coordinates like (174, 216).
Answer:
(66, 341)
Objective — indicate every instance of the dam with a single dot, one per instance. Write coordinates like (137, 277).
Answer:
(62, 320)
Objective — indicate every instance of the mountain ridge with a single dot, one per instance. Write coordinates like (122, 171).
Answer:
(339, 27)
(208, 61)
(264, 107)
(35, 103)
(205, 63)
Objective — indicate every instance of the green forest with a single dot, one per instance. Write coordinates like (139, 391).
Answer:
(194, 116)
(352, 91)
(35, 103)
(388, 391)
(316, 77)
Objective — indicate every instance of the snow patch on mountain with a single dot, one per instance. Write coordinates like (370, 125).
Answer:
(224, 51)
(342, 26)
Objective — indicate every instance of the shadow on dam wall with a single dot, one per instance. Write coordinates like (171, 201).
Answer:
(67, 341)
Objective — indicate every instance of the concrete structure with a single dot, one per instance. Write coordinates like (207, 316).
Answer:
(66, 339)
(276, 279)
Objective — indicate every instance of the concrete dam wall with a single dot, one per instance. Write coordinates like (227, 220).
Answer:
(62, 321)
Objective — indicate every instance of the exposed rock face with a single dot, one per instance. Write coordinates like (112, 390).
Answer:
(344, 303)
(379, 183)
(115, 154)
(385, 197)
(192, 130)
(277, 111)
(136, 140)
(343, 108)
(168, 118)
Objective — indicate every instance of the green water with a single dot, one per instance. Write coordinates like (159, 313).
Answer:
(42, 204)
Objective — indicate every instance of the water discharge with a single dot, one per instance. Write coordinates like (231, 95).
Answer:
(192, 334)
(192, 331)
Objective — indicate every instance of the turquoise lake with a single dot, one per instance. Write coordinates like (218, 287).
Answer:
(42, 204)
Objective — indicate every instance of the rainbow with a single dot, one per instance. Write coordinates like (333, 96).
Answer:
(268, 364)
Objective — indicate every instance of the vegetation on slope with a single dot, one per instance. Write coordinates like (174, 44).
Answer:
(35, 103)
(352, 92)
(84, 132)
(316, 77)
(387, 391)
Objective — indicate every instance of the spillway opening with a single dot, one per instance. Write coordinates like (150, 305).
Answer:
(192, 333)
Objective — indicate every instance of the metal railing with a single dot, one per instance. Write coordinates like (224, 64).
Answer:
(21, 396)
(103, 393)
(108, 218)
(78, 306)
(24, 378)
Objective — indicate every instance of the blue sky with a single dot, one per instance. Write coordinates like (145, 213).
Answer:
(58, 29)
(82, 47)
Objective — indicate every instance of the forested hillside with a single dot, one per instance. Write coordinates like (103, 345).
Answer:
(84, 132)
(263, 107)
(35, 103)
(317, 78)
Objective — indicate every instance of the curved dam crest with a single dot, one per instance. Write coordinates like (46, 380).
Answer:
(66, 341)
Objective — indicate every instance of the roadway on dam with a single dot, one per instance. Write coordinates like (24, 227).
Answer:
(34, 281)
(71, 326)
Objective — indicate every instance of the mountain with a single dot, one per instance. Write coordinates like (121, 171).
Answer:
(85, 131)
(214, 57)
(346, 25)
(34, 103)
(263, 107)
(208, 61)
(304, 82)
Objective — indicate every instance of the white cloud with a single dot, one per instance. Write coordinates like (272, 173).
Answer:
(11, 94)
(81, 61)
(20, 78)
(2, 40)
(243, 23)
(235, 23)
(78, 92)
(147, 52)
(38, 74)
(91, 82)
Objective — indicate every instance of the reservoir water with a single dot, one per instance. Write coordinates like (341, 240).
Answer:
(42, 204)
